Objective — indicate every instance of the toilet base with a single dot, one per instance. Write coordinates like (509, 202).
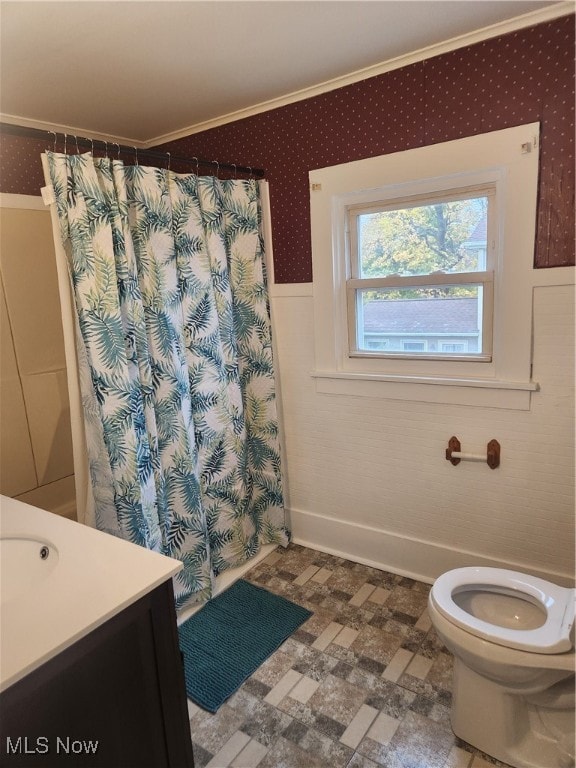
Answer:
(507, 726)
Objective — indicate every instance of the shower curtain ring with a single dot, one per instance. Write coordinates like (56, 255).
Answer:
(136, 153)
(235, 170)
(55, 139)
(77, 147)
(197, 166)
(118, 154)
(217, 168)
(65, 140)
(106, 150)
(169, 157)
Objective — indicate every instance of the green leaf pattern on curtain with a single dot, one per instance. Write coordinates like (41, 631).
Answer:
(175, 358)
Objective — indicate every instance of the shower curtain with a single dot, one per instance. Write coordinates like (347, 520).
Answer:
(174, 359)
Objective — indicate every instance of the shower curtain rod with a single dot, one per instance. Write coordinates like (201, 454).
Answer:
(168, 157)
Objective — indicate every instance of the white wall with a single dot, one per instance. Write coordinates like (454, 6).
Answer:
(367, 477)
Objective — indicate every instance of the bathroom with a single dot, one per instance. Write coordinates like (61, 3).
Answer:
(366, 477)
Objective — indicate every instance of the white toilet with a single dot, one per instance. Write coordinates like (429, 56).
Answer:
(512, 636)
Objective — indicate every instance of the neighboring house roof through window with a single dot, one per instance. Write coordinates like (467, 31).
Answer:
(479, 234)
(453, 315)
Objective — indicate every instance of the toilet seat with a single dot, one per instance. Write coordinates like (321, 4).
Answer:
(556, 602)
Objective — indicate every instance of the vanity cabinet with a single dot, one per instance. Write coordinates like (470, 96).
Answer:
(113, 699)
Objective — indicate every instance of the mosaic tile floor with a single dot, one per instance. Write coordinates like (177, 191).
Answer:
(363, 683)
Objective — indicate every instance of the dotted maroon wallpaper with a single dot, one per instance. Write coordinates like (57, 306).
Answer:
(525, 76)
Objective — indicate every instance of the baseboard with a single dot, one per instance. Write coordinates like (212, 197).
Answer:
(403, 555)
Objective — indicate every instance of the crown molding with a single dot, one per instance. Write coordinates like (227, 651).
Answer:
(70, 131)
(564, 8)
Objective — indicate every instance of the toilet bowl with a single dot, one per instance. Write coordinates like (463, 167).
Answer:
(512, 637)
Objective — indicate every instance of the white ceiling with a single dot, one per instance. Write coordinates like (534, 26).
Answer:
(145, 72)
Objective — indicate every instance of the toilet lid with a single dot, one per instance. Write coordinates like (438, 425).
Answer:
(556, 602)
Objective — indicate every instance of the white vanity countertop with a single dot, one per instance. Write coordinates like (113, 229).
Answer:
(92, 577)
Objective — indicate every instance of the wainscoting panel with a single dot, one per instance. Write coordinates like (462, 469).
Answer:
(367, 477)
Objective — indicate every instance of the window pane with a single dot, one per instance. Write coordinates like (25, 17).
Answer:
(439, 320)
(445, 236)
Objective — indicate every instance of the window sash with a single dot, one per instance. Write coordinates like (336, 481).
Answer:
(415, 201)
(435, 278)
(354, 287)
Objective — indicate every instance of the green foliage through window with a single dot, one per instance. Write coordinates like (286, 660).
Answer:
(447, 236)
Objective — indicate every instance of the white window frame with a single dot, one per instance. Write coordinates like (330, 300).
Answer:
(506, 161)
(484, 278)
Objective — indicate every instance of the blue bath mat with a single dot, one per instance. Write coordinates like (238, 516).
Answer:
(228, 639)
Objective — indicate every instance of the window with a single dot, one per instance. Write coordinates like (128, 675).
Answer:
(414, 346)
(422, 265)
(454, 347)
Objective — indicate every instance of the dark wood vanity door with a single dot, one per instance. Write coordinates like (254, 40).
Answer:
(115, 699)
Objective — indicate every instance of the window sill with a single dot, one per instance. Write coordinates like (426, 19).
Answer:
(488, 393)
